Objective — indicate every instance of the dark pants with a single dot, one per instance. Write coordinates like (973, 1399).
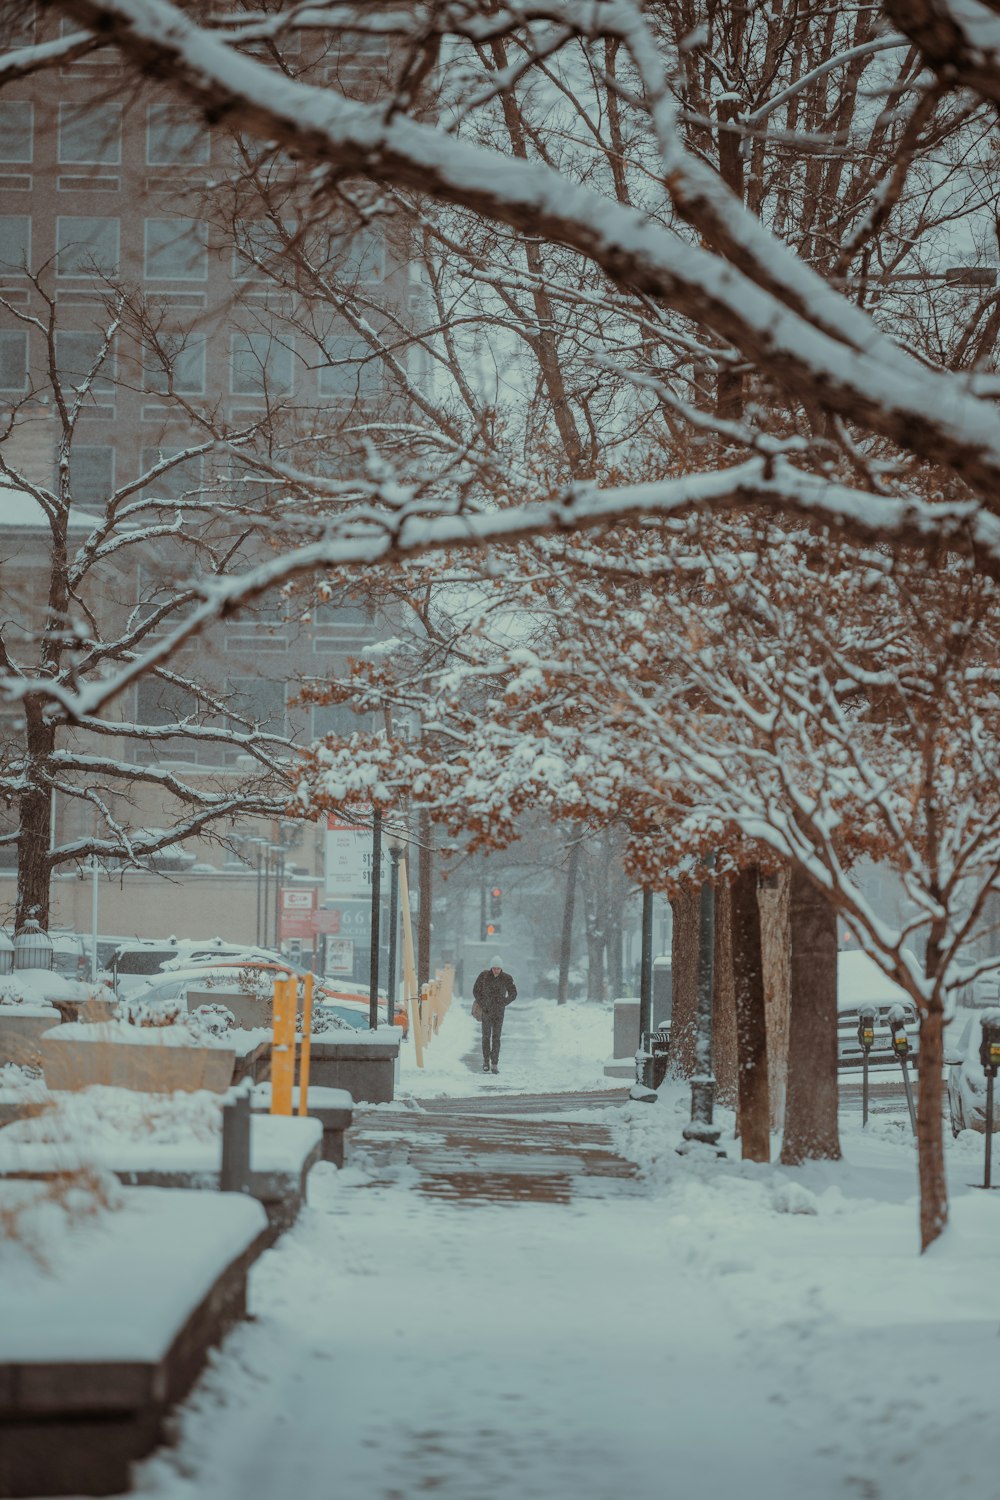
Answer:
(492, 1023)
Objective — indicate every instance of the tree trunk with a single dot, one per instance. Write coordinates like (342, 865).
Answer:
(724, 1064)
(930, 1127)
(566, 943)
(684, 968)
(754, 1117)
(811, 1115)
(776, 960)
(34, 866)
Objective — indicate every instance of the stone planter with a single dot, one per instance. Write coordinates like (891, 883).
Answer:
(366, 1065)
(251, 1011)
(21, 1031)
(78, 1061)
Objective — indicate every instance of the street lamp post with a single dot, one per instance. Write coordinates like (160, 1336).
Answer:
(396, 845)
(376, 913)
(278, 851)
(646, 968)
(701, 1131)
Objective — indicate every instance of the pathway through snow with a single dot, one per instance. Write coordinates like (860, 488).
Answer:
(735, 1330)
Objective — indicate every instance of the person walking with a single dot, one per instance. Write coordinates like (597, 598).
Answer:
(494, 990)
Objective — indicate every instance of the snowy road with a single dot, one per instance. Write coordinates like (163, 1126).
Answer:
(727, 1330)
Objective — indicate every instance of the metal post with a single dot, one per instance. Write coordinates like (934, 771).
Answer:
(94, 899)
(235, 1174)
(259, 895)
(909, 1093)
(392, 985)
(988, 1159)
(376, 914)
(646, 969)
(864, 1089)
(279, 875)
(701, 1130)
(267, 892)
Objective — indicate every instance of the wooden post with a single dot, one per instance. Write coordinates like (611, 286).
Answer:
(307, 1016)
(283, 1047)
(409, 967)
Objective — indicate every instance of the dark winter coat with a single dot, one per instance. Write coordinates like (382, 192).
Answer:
(494, 991)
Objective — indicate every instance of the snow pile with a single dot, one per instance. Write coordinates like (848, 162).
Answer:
(40, 986)
(111, 1114)
(40, 1223)
(179, 1035)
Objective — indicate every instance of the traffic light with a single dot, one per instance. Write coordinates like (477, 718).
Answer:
(496, 912)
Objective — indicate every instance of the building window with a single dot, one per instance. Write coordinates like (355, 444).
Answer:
(260, 365)
(90, 135)
(186, 478)
(174, 137)
(354, 256)
(184, 354)
(159, 702)
(13, 360)
(91, 474)
(86, 247)
(76, 359)
(339, 719)
(352, 370)
(261, 700)
(15, 244)
(176, 250)
(16, 129)
(257, 246)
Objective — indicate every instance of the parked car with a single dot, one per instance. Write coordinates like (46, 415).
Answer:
(70, 955)
(860, 981)
(253, 976)
(136, 961)
(966, 1079)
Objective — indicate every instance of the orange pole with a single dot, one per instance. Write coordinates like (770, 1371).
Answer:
(307, 1016)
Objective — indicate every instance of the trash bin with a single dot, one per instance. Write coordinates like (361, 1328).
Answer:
(651, 1058)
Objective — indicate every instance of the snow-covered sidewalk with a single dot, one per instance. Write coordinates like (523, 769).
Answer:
(735, 1330)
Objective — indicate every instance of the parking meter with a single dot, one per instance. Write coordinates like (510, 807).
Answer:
(866, 1026)
(901, 1047)
(900, 1040)
(989, 1056)
(989, 1047)
(866, 1037)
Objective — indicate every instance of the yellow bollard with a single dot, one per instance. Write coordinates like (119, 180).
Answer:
(283, 1047)
(307, 1017)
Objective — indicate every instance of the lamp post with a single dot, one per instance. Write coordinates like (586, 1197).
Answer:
(278, 852)
(376, 913)
(396, 844)
(646, 968)
(701, 1131)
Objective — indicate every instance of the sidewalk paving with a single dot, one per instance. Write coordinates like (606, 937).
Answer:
(492, 1305)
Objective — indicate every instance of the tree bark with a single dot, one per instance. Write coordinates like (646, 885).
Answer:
(930, 1127)
(776, 959)
(811, 1115)
(566, 942)
(754, 1116)
(724, 1061)
(34, 824)
(684, 967)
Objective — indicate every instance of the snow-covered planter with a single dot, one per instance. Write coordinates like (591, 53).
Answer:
(24, 1016)
(73, 999)
(153, 1059)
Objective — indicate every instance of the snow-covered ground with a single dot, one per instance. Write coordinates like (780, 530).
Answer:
(730, 1330)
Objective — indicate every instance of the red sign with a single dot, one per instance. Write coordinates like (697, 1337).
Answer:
(296, 910)
(327, 920)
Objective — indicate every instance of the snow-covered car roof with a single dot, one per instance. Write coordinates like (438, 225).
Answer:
(860, 980)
